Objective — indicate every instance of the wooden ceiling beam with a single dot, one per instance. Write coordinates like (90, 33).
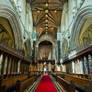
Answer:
(43, 9)
(39, 20)
(55, 6)
(58, 8)
(33, 2)
(51, 17)
(45, 3)
(42, 26)
(42, 21)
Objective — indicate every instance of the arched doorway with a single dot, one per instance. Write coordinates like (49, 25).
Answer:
(45, 50)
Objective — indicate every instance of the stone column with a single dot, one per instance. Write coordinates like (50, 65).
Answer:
(9, 67)
(54, 57)
(18, 70)
(14, 69)
(12, 66)
(1, 60)
(5, 66)
(78, 65)
(73, 67)
(8, 58)
(82, 60)
(90, 63)
(56, 52)
(58, 43)
(85, 65)
(81, 65)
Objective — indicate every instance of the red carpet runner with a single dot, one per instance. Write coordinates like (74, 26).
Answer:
(46, 85)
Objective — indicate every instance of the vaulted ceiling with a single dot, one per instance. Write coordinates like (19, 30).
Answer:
(47, 15)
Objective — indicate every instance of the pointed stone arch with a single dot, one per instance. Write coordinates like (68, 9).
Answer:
(80, 19)
(46, 37)
(11, 15)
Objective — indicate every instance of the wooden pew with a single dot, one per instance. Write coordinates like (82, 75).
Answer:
(21, 86)
(11, 81)
(81, 84)
(14, 79)
(84, 76)
(67, 86)
(79, 81)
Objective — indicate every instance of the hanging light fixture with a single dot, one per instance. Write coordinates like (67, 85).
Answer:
(46, 15)
(46, 24)
(38, 11)
(46, 11)
(46, 20)
(46, 27)
(55, 11)
(46, 4)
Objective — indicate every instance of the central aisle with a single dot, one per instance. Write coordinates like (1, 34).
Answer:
(46, 85)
